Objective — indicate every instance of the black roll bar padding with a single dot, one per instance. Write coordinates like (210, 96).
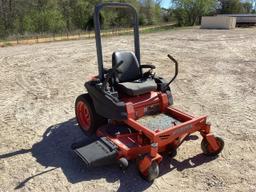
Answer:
(97, 10)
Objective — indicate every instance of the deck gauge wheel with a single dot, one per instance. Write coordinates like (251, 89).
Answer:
(151, 173)
(207, 150)
(123, 163)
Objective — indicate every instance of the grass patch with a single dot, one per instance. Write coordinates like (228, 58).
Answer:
(150, 30)
(5, 44)
(104, 33)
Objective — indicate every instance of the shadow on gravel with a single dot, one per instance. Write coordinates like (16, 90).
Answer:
(54, 151)
(170, 164)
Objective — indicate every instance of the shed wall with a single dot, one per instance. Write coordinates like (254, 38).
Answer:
(218, 22)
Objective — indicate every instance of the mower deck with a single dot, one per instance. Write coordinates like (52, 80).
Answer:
(118, 140)
(166, 129)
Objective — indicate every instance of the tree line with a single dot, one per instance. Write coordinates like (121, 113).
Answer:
(55, 16)
(189, 12)
(19, 17)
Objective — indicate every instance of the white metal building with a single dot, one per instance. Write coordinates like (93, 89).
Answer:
(243, 18)
(218, 22)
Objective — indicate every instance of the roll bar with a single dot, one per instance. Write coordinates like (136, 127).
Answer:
(98, 8)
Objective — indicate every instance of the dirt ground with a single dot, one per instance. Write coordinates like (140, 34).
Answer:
(39, 84)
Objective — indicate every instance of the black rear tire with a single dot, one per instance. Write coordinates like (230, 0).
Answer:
(87, 118)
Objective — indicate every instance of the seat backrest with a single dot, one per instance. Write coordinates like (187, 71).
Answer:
(130, 68)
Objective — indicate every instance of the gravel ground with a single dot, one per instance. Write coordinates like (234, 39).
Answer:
(39, 84)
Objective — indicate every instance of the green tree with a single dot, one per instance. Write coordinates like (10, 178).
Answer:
(149, 11)
(2, 30)
(7, 16)
(181, 16)
(189, 12)
(43, 16)
(230, 6)
(81, 12)
(65, 7)
(235, 6)
(56, 21)
(29, 24)
(247, 7)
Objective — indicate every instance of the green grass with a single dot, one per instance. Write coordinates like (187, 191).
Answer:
(155, 30)
(5, 44)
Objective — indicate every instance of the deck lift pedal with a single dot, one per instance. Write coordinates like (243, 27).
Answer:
(130, 110)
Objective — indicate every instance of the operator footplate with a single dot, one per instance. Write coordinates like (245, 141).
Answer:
(97, 153)
(158, 122)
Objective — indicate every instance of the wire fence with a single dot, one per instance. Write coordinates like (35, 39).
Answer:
(43, 38)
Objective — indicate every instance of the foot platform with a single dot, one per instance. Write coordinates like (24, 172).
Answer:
(97, 153)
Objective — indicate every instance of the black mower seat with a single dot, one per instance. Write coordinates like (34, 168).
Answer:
(129, 79)
(137, 87)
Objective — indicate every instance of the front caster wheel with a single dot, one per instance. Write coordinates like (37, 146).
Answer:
(151, 173)
(207, 149)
